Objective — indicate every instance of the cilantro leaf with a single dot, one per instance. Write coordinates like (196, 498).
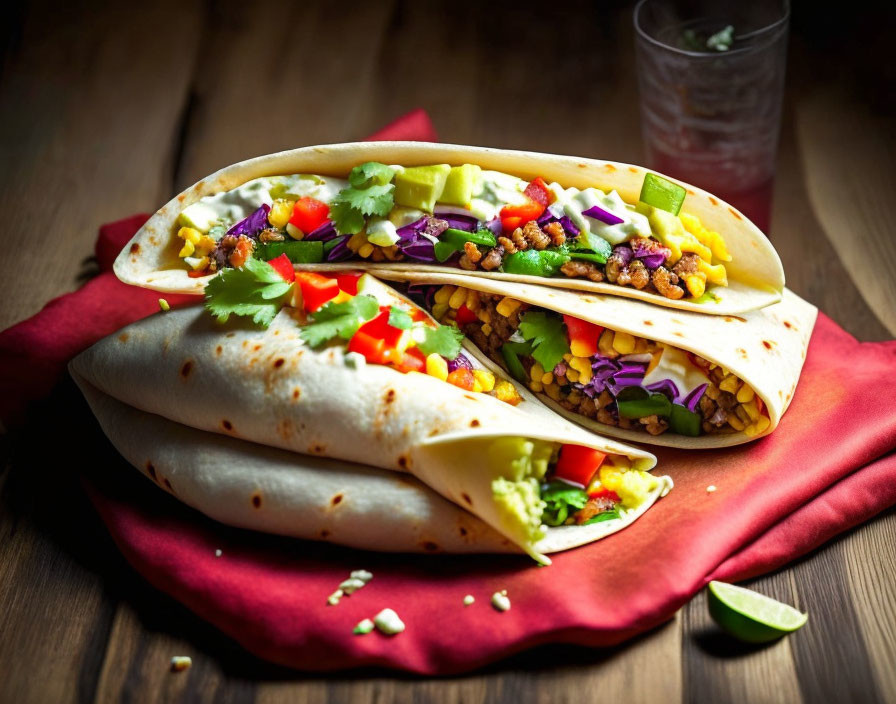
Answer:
(369, 173)
(256, 289)
(548, 338)
(561, 499)
(374, 200)
(346, 219)
(339, 319)
(444, 340)
(400, 319)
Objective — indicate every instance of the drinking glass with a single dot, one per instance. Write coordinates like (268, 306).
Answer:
(711, 96)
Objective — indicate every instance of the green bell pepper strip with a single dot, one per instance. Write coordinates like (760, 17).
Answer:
(511, 352)
(443, 251)
(685, 422)
(634, 402)
(533, 262)
(589, 257)
(601, 517)
(662, 193)
(299, 252)
(593, 243)
(452, 240)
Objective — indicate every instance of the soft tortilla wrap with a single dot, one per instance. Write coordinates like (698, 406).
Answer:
(314, 498)
(269, 387)
(756, 277)
(765, 348)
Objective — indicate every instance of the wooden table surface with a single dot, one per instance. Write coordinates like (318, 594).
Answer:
(110, 108)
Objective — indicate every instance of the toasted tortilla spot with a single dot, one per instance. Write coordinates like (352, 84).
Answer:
(219, 350)
(633, 169)
(181, 197)
(780, 393)
(296, 392)
(403, 461)
(123, 337)
(336, 500)
(230, 334)
(742, 352)
(789, 325)
(256, 499)
(199, 186)
(466, 497)
(433, 432)
(256, 348)
(429, 546)
(168, 484)
(768, 345)
(186, 368)
(713, 200)
(245, 343)
(227, 425)
(677, 333)
(278, 362)
(608, 167)
(325, 533)
(135, 248)
(471, 397)
(151, 470)
(318, 449)
(732, 318)
(463, 532)
(690, 192)
(735, 213)
(390, 396)
(475, 423)
(648, 322)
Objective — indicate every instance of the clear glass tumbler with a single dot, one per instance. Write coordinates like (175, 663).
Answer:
(711, 82)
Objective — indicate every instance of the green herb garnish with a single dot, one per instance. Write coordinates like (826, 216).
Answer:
(256, 289)
(370, 173)
(559, 498)
(548, 337)
(339, 319)
(444, 340)
(400, 319)
(370, 193)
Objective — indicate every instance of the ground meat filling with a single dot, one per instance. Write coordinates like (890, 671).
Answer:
(728, 404)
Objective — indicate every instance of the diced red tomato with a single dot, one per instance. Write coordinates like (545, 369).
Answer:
(462, 377)
(578, 464)
(413, 361)
(283, 266)
(509, 224)
(604, 494)
(317, 289)
(584, 334)
(370, 347)
(309, 213)
(538, 191)
(379, 327)
(514, 216)
(197, 273)
(348, 283)
(418, 316)
(465, 315)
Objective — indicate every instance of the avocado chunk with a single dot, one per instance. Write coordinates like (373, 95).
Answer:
(461, 185)
(421, 186)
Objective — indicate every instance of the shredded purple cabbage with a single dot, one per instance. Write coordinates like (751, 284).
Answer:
(423, 294)
(253, 224)
(605, 216)
(494, 226)
(340, 252)
(693, 398)
(460, 362)
(652, 256)
(667, 387)
(612, 375)
(467, 223)
(324, 233)
(623, 252)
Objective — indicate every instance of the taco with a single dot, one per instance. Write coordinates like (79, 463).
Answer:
(630, 370)
(252, 486)
(571, 223)
(344, 367)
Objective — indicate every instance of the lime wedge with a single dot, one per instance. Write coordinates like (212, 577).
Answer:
(750, 616)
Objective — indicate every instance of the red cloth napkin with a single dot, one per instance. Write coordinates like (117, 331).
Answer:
(829, 466)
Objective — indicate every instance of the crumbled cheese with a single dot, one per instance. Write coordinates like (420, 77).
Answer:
(387, 622)
(179, 663)
(334, 598)
(468, 599)
(218, 553)
(351, 585)
(363, 628)
(711, 488)
(363, 575)
(500, 600)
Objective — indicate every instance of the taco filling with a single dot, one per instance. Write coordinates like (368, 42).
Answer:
(462, 217)
(612, 377)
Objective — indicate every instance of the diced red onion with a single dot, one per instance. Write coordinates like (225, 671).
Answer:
(605, 216)
(624, 253)
(569, 226)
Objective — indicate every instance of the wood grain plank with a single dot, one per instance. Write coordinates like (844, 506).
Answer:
(89, 103)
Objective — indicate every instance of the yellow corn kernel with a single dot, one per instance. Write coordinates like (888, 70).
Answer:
(439, 310)
(750, 430)
(205, 245)
(477, 387)
(745, 394)
(605, 344)
(696, 284)
(553, 392)
(365, 250)
(567, 357)
(189, 234)
(473, 302)
(692, 244)
(507, 306)
(736, 422)
(187, 250)
(506, 392)
(486, 329)
(580, 364)
(483, 315)
(752, 410)
(572, 375)
(296, 233)
(356, 241)
(711, 239)
(444, 293)
(281, 212)
(536, 372)
(762, 423)
(437, 366)
(715, 273)
(579, 348)
(741, 413)
(623, 343)
(201, 264)
(730, 384)
(458, 298)
(548, 378)
(485, 378)
(536, 386)
(585, 376)
(641, 346)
